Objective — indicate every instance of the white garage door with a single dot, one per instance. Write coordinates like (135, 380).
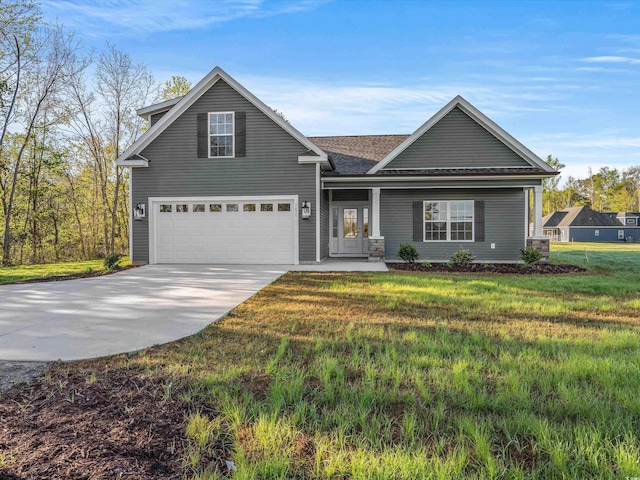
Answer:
(232, 231)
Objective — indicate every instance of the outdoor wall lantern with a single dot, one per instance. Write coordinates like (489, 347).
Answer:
(306, 210)
(140, 211)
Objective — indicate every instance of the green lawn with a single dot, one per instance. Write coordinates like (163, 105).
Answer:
(611, 257)
(420, 376)
(411, 376)
(30, 272)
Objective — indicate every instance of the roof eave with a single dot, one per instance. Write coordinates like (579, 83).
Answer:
(165, 106)
(366, 177)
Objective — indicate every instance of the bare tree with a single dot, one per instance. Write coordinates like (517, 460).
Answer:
(42, 81)
(105, 124)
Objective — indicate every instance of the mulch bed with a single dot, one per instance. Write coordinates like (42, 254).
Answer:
(508, 268)
(114, 424)
(71, 276)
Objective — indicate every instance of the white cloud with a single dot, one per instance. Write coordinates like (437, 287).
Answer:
(611, 148)
(133, 17)
(324, 108)
(611, 59)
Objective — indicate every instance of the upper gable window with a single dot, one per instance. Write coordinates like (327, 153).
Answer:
(221, 134)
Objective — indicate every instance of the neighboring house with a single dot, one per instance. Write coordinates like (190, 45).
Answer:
(220, 178)
(581, 224)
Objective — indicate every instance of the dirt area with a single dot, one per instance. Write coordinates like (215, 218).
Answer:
(71, 276)
(108, 424)
(508, 268)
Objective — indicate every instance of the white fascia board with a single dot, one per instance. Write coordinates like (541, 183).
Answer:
(157, 107)
(195, 93)
(132, 163)
(322, 160)
(479, 117)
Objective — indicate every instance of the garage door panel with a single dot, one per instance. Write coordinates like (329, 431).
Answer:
(220, 235)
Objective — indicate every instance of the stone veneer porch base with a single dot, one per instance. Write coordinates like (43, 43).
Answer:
(376, 249)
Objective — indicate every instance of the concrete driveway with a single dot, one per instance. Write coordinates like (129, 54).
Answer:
(123, 312)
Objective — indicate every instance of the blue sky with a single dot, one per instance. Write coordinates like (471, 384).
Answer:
(563, 77)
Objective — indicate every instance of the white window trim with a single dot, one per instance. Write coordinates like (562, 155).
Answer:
(233, 133)
(448, 240)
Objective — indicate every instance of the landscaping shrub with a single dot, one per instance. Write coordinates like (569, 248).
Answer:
(408, 253)
(112, 261)
(530, 255)
(462, 256)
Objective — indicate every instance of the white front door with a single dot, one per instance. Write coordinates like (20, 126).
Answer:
(353, 229)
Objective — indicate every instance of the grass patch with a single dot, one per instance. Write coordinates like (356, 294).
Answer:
(606, 257)
(423, 376)
(403, 376)
(43, 271)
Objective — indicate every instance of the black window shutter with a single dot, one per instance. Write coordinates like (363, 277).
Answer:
(203, 135)
(241, 134)
(478, 217)
(418, 222)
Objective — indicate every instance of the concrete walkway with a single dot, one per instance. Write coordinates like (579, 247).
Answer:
(123, 312)
(334, 264)
(133, 309)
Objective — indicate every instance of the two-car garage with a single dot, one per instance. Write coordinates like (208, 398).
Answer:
(224, 230)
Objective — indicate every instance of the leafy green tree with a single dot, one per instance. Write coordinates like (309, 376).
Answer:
(176, 87)
(632, 177)
(551, 197)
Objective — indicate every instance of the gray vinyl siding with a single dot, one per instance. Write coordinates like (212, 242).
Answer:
(270, 167)
(457, 141)
(607, 234)
(504, 223)
(324, 224)
(156, 117)
(350, 195)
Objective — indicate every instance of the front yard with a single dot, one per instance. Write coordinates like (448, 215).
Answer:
(54, 271)
(371, 376)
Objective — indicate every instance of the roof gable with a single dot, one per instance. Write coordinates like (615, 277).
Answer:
(183, 104)
(460, 136)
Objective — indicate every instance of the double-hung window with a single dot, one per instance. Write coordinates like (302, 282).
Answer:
(221, 134)
(448, 221)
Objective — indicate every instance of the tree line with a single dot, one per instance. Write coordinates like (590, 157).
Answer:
(65, 117)
(607, 190)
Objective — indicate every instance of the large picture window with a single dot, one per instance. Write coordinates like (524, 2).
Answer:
(446, 221)
(221, 134)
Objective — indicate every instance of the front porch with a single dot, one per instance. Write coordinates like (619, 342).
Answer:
(354, 220)
(355, 229)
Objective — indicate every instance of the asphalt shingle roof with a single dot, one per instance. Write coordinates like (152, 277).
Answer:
(579, 217)
(357, 154)
(370, 147)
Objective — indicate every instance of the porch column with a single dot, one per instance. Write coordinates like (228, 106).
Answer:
(537, 240)
(375, 212)
(537, 211)
(376, 242)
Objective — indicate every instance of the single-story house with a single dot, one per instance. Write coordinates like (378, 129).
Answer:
(582, 224)
(219, 177)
